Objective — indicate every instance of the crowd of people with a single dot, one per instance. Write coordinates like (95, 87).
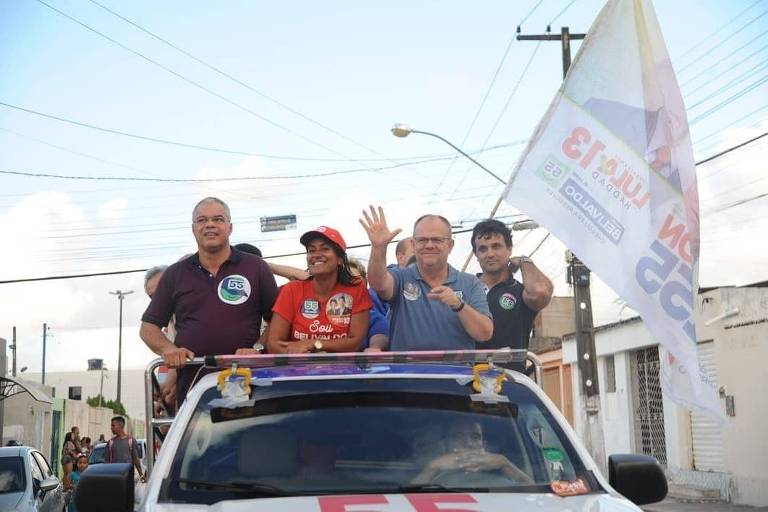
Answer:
(75, 452)
(224, 299)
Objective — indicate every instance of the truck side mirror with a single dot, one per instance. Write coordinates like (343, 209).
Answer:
(639, 478)
(106, 488)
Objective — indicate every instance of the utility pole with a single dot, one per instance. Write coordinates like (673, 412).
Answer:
(579, 278)
(45, 332)
(120, 296)
(13, 349)
(565, 36)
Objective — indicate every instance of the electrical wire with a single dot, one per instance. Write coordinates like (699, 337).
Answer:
(730, 99)
(561, 13)
(503, 110)
(238, 81)
(719, 44)
(168, 141)
(712, 66)
(486, 95)
(717, 31)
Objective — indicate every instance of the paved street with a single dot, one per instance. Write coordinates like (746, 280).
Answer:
(670, 505)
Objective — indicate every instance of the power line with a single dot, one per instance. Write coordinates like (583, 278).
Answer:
(218, 180)
(194, 83)
(503, 110)
(720, 43)
(710, 67)
(747, 74)
(95, 274)
(730, 99)
(732, 148)
(237, 80)
(167, 141)
(562, 11)
(486, 95)
(697, 45)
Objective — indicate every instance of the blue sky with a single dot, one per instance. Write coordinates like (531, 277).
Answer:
(356, 67)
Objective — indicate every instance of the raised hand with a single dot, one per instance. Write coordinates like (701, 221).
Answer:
(375, 225)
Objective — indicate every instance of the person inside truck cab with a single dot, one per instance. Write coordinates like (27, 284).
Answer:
(466, 457)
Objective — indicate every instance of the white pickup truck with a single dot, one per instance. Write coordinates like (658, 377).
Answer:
(385, 432)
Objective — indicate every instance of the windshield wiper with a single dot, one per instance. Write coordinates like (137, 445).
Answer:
(255, 487)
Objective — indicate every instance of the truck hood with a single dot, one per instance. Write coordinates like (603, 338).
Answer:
(455, 502)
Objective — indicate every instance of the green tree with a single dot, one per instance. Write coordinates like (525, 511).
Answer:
(99, 401)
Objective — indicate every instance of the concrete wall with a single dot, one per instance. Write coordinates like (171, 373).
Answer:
(132, 393)
(556, 320)
(28, 421)
(741, 346)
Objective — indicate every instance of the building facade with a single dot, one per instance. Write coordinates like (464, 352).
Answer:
(702, 458)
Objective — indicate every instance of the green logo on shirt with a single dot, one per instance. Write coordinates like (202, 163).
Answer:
(507, 301)
(234, 289)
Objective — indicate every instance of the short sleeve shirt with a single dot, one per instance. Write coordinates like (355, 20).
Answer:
(215, 314)
(121, 449)
(512, 318)
(420, 323)
(313, 318)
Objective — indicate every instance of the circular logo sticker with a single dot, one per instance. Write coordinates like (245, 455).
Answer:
(234, 289)
(339, 308)
(411, 291)
(310, 308)
(507, 301)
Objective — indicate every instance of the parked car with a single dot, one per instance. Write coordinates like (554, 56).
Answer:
(27, 483)
(100, 450)
(380, 431)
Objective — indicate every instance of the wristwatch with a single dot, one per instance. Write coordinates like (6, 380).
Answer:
(459, 307)
(317, 346)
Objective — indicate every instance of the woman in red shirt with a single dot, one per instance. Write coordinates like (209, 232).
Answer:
(329, 311)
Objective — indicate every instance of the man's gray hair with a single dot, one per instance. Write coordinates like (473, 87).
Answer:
(212, 200)
(152, 272)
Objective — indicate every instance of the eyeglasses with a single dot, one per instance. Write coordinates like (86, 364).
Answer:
(434, 240)
(218, 219)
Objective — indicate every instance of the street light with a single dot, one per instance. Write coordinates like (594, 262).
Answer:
(120, 296)
(403, 130)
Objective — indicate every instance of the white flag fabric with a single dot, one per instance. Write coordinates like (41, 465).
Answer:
(610, 172)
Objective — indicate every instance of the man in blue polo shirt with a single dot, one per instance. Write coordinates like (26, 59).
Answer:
(219, 296)
(434, 306)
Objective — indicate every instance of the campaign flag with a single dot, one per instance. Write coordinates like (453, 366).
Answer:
(609, 170)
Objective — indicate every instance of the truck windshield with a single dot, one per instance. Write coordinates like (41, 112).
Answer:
(369, 435)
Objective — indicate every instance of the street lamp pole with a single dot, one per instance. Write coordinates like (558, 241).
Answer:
(403, 130)
(120, 296)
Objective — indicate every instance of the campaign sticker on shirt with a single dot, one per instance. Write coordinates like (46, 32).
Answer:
(310, 308)
(411, 291)
(507, 301)
(339, 308)
(234, 289)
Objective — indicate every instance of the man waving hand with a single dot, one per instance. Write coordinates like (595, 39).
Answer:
(434, 306)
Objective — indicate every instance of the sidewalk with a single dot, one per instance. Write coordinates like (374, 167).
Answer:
(671, 505)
